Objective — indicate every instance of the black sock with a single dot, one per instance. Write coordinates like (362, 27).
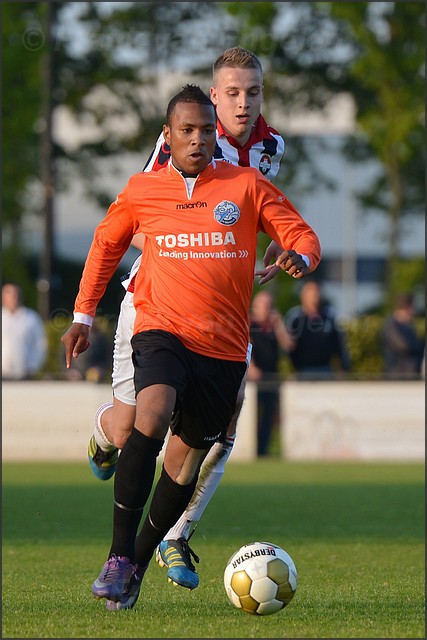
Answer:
(132, 485)
(169, 501)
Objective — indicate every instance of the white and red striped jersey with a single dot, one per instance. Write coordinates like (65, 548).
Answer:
(264, 150)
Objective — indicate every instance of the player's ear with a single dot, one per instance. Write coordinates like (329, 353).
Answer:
(214, 95)
(167, 133)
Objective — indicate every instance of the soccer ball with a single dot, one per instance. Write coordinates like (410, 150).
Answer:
(260, 578)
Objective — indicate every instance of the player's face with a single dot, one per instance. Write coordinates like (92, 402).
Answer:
(237, 96)
(191, 136)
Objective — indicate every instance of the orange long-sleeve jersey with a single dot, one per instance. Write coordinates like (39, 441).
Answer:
(197, 271)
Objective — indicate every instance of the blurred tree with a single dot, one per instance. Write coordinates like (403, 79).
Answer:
(388, 84)
(98, 58)
(375, 52)
(21, 97)
(107, 58)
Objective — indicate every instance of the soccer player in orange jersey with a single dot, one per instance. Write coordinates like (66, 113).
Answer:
(242, 138)
(200, 220)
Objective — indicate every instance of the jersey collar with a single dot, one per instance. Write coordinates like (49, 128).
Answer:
(259, 131)
(175, 171)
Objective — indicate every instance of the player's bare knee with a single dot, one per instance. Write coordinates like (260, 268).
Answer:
(122, 420)
(119, 439)
(190, 466)
(153, 425)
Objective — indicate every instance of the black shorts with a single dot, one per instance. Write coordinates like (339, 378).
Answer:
(206, 387)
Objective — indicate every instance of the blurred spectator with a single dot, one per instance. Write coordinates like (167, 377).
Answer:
(94, 364)
(268, 335)
(24, 340)
(319, 346)
(403, 350)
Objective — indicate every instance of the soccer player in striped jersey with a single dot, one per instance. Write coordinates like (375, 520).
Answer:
(242, 138)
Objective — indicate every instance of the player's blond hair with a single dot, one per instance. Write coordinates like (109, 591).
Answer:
(236, 57)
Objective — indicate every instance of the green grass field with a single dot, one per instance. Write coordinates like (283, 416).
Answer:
(355, 532)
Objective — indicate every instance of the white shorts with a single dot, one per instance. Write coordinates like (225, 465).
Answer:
(123, 372)
(123, 383)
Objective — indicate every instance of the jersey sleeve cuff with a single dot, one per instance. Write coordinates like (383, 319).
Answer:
(82, 318)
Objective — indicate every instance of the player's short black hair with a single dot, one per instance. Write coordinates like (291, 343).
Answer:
(190, 93)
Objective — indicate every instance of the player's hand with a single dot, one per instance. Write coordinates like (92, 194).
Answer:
(293, 263)
(75, 341)
(270, 270)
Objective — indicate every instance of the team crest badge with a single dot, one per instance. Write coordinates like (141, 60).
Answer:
(226, 213)
(265, 164)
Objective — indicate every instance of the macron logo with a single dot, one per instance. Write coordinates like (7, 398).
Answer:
(192, 205)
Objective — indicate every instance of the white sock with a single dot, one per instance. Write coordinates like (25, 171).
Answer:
(210, 475)
(98, 432)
